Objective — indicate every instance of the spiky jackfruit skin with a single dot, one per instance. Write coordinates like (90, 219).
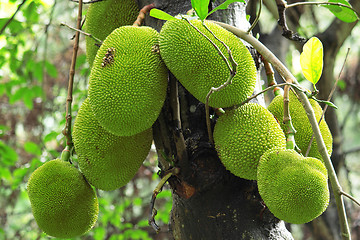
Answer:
(198, 66)
(105, 16)
(63, 203)
(294, 188)
(107, 161)
(242, 135)
(301, 123)
(127, 89)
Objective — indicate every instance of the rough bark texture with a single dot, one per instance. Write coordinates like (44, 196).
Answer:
(208, 201)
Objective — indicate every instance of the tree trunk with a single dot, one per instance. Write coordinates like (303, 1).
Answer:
(208, 201)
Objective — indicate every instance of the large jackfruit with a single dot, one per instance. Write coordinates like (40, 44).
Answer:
(198, 66)
(105, 16)
(294, 188)
(128, 81)
(242, 135)
(301, 123)
(107, 161)
(63, 203)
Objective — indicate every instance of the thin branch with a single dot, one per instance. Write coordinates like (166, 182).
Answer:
(350, 197)
(142, 13)
(80, 31)
(329, 98)
(290, 130)
(282, 70)
(271, 77)
(282, 6)
(322, 3)
(67, 129)
(207, 112)
(256, 19)
(12, 17)
(157, 190)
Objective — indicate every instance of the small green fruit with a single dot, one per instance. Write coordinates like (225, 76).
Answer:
(63, 203)
(294, 188)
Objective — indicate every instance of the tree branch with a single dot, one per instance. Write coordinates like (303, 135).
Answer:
(12, 17)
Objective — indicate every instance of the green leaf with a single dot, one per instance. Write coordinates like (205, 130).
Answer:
(201, 8)
(19, 94)
(32, 148)
(330, 104)
(225, 5)
(51, 69)
(156, 13)
(311, 60)
(50, 136)
(343, 13)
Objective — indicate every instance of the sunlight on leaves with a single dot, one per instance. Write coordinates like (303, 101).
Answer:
(201, 8)
(225, 5)
(156, 13)
(311, 60)
(342, 13)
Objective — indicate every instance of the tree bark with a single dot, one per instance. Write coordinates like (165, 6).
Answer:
(208, 201)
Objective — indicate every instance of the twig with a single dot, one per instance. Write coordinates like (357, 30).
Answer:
(142, 13)
(281, 6)
(271, 77)
(12, 17)
(256, 19)
(350, 197)
(322, 3)
(207, 112)
(267, 89)
(329, 98)
(157, 190)
(80, 31)
(282, 70)
(67, 129)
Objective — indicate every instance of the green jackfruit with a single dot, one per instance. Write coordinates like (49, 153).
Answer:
(301, 123)
(198, 66)
(242, 135)
(128, 81)
(107, 161)
(294, 188)
(104, 17)
(63, 203)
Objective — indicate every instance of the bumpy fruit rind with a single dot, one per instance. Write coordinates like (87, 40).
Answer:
(63, 203)
(107, 161)
(128, 81)
(294, 188)
(198, 66)
(242, 135)
(301, 124)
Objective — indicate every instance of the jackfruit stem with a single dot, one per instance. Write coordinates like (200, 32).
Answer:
(283, 71)
(207, 112)
(67, 129)
(142, 13)
(271, 77)
(97, 40)
(290, 130)
(157, 190)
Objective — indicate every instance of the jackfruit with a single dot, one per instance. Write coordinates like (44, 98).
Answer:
(105, 16)
(294, 188)
(301, 123)
(63, 203)
(128, 81)
(198, 66)
(107, 161)
(242, 135)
